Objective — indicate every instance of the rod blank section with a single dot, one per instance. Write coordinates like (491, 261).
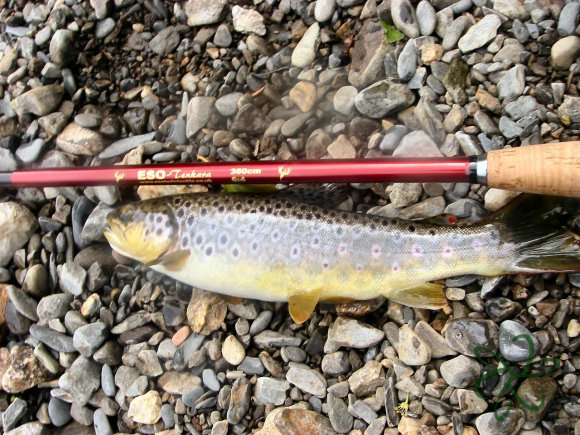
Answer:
(549, 169)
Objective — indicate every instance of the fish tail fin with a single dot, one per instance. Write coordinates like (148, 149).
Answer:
(427, 295)
(535, 225)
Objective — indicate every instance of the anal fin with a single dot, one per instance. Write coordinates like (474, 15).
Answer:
(174, 261)
(427, 295)
(302, 304)
(233, 300)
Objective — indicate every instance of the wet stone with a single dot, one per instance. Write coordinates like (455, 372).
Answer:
(88, 338)
(308, 380)
(23, 303)
(383, 98)
(489, 424)
(367, 379)
(81, 380)
(270, 391)
(13, 414)
(345, 332)
(467, 336)
(480, 34)
(53, 339)
(460, 371)
(336, 363)
(340, 418)
(404, 18)
(516, 343)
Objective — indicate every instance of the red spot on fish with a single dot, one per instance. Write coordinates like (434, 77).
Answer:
(359, 268)
(447, 250)
(376, 251)
(417, 250)
(395, 267)
(325, 264)
(477, 244)
(342, 249)
(452, 220)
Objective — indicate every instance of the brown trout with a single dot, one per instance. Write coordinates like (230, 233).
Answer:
(278, 249)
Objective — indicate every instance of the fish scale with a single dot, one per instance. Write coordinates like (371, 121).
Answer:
(279, 249)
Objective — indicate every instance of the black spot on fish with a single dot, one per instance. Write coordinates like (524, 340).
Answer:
(385, 223)
(151, 218)
(268, 209)
(167, 224)
(180, 213)
(187, 204)
(203, 211)
(235, 252)
(261, 208)
(199, 239)
(250, 201)
(282, 212)
(278, 205)
(373, 226)
(223, 239)
(267, 201)
(184, 241)
(411, 228)
(254, 246)
(303, 207)
(159, 219)
(238, 206)
(431, 232)
(308, 216)
(215, 203)
(339, 231)
(177, 201)
(159, 231)
(208, 251)
(344, 215)
(221, 208)
(190, 220)
(147, 232)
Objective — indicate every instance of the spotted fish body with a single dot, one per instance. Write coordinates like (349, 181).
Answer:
(277, 249)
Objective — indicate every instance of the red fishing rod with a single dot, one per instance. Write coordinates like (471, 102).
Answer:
(548, 169)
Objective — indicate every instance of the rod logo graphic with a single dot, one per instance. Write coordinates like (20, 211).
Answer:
(119, 175)
(509, 376)
(282, 171)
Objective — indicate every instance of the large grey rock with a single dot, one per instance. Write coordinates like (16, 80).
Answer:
(88, 338)
(203, 12)
(62, 47)
(17, 224)
(81, 380)
(199, 111)
(567, 19)
(383, 98)
(39, 101)
(480, 34)
(404, 18)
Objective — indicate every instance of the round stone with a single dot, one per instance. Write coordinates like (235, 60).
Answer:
(233, 351)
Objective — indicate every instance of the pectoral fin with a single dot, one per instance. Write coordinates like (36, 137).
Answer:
(301, 305)
(430, 296)
(174, 261)
(233, 300)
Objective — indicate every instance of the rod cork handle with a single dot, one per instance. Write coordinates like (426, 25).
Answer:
(549, 169)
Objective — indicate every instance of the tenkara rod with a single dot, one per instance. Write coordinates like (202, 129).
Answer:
(548, 169)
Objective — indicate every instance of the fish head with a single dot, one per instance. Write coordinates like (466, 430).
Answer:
(143, 231)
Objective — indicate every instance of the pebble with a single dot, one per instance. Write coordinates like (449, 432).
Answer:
(426, 18)
(407, 61)
(436, 342)
(468, 335)
(101, 423)
(72, 278)
(307, 379)
(512, 83)
(203, 12)
(367, 379)
(223, 37)
(81, 380)
(39, 101)
(240, 396)
(17, 224)
(305, 51)
(513, 349)
(489, 424)
(13, 414)
(564, 52)
(461, 371)
(24, 371)
(123, 146)
(59, 412)
(210, 379)
(411, 348)
(383, 98)
(62, 49)
(81, 141)
(470, 403)
(343, 101)
(567, 19)
(404, 18)
(199, 112)
(295, 420)
(233, 351)
(248, 21)
(341, 148)
(324, 9)
(340, 418)
(228, 104)
(53, 339)
(478, 35)
(539, 391)
(23, 303)
(88, 338)
(335, 363)
(145, 409)
(270, 391)
(303, 94)
(104, 28)
(345, 332)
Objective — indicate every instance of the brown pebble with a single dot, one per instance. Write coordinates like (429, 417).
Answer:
(181, 335)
